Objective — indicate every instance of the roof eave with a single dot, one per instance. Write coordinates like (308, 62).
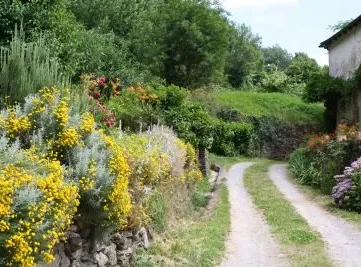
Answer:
(327, 43)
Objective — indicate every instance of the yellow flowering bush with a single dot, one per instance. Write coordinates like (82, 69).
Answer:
(87, 123)
(55, 165)
(68, 138)
(36, 207)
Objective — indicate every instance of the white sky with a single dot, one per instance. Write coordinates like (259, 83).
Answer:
(297, 25)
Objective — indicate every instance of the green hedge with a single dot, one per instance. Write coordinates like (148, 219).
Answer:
(317, 167)
(231, 139)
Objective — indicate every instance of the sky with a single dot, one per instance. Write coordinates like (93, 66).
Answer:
(296, 25)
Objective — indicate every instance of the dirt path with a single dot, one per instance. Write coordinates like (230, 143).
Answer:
(249, 242)
(342, 238)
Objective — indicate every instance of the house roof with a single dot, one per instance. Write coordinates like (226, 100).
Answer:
(326, 44)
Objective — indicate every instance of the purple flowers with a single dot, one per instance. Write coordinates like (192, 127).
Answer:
(345, 183)
(339, 191)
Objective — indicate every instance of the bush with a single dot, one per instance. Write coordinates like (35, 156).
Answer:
(347, 193)
(192, 123)
(303, 167)
(231, 139)
(31, 64)
(316, 166)
(55, 166)
(171, 96)
(133, 112)
(200, 194)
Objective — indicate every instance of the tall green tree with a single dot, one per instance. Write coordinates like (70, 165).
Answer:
(186, 44)
(277, 56)
(302, 68)
(244, 55)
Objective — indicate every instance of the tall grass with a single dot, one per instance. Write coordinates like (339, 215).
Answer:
(26, 67)
(278, 105)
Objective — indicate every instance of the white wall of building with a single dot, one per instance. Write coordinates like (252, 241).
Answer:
(345, 54)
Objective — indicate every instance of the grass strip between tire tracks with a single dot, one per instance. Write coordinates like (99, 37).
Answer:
(302, 245)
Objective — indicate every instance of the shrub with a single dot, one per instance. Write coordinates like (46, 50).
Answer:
(132, 111)
(192, 123)
(303, 168)
(171, 96)
(231, 139)
(55, 166)
(316, 166)
(31, 64)
(347, 192)
(38, 204)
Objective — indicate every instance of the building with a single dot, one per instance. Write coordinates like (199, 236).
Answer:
(344, 59)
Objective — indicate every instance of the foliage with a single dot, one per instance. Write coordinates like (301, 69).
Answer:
(53, 156)
(271, 81)
(317, 165)
(170, 96)
(244, 55)
(321, 86)
(340, 25)
(231, 139)
(200, 194)
(31, 64)
(192, 123)
(302, 68)
(276, 55)
(191, 46)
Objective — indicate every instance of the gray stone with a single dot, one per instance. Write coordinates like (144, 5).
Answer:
(124, 261)
(88, 264)
(74, 228)
(75, 255)
(127, 252)
(101, 259)
(74, 242)
(111, 252)
(122, 240)
(142, 236)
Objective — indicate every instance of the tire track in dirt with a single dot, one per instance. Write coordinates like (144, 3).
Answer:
(249, 242)
(342, 238)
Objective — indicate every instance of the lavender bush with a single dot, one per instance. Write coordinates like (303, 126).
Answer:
(347, 192)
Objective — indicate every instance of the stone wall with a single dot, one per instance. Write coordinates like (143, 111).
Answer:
(81, 251)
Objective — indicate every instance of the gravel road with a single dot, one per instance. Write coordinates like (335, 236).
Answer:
(250, 243)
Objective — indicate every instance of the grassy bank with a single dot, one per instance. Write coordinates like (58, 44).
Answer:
(282, 106)
(299, 242)
(196, 241)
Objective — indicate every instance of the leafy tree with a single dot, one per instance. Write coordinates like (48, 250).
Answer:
(244, 55)
(33, 15)
(118, 16)
(339, 25)
(278, 56)
(302, 68)
(191, 42)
